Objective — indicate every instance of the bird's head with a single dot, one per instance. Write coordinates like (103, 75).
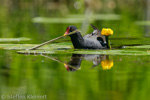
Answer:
(70, 29)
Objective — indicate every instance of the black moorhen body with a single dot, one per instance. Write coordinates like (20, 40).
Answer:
(90, 41)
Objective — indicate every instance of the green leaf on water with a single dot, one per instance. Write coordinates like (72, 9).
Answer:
(28, 46)
(114, 52)
(142, 23)
(57, 20)
(16, 46)
(105, 52)
(14, 39)
(36, 52)
(138, 47)
(76, 18)
(98, 16)
(66, 48)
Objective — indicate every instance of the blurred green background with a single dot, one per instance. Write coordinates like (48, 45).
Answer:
(42, 20)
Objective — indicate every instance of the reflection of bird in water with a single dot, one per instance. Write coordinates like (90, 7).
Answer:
(76, 59)
(96, 59)
(107, 64)
(68, 67)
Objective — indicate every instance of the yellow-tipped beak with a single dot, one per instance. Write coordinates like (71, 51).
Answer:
(66, 33)
(107, 31)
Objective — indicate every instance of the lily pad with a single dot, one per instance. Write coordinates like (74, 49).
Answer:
(57, 20)
(138, 47)
(142, 23)
(114, 52)
(98, 16)
(14, 39)
(28, 46)
(16, 46)
(76, 18)
(65, 48)
(105, 52)
(37, 52)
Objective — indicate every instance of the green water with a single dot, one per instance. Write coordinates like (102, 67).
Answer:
(38, 77)
(58, 72)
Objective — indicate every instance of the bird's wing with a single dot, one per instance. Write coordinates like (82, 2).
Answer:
(96, 30)
(94, 27)
(87, 36)
(95, 35)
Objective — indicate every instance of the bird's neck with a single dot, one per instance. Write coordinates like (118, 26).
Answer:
(77, 40)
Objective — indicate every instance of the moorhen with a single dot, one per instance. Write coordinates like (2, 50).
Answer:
(96, 40)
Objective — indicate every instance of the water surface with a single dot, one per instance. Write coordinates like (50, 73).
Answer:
(89, 77)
